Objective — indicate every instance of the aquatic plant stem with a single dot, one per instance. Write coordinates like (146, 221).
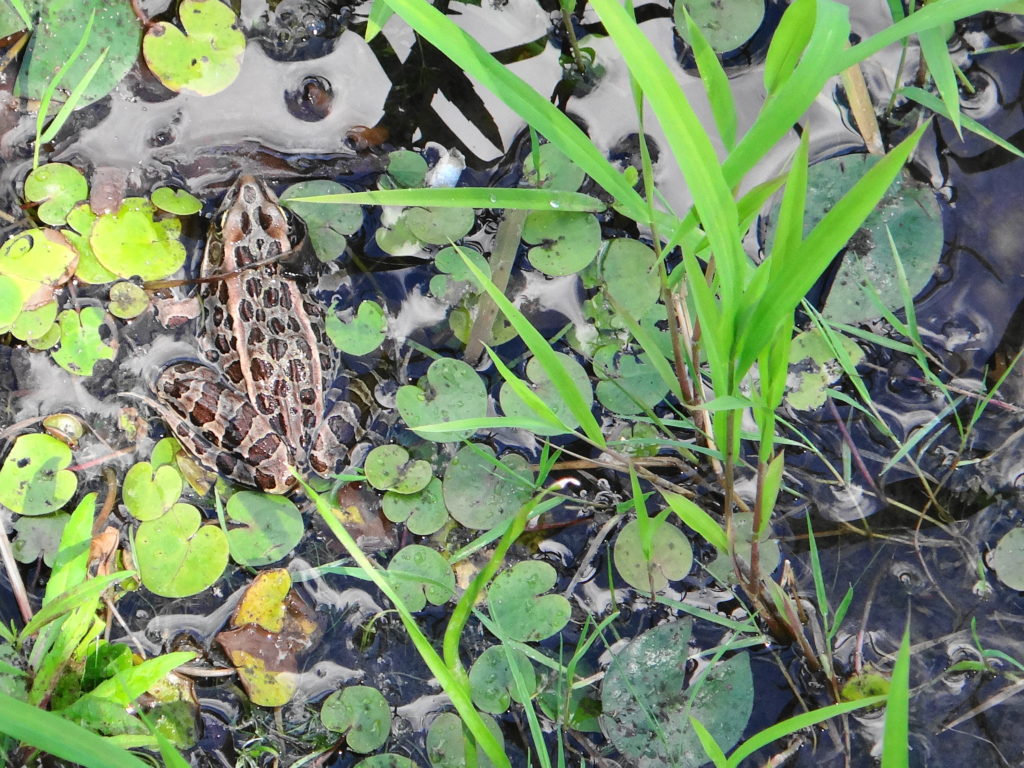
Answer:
(14, 576)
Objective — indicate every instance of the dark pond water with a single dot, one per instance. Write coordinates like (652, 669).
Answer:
(308, 79)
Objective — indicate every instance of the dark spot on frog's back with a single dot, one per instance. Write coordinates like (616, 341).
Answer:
(222, 343)
(260, 369)
(264, 448)
(307, 396)
(234, 371)
(252, 288)
(277, 348)
(276, 325)
(265, 404)
(201, 415)
(296, 370)
(246, 311)
(256, 336)
(271, 296)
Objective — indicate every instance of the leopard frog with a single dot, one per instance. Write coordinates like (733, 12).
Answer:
(256, 408)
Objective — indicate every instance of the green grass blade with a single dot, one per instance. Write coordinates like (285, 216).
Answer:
(74, 97)
(707, 741)
(788, 43)
(22, 12)
(541, 349)
(62, 738)
(716, 83)
(690, 145)
(943, 70)
(704, 524)
(494, 422)
(88, 591)
(380, 12)
(895, 744)
(929, 101)
(534, 108)
(467, 197)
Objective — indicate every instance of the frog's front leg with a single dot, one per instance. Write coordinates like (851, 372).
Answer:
(335, 433)
(225, 433)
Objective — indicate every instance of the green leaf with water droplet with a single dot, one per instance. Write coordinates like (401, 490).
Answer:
(517, 603)
(480, 491)
(34, 479)
(447, 743)
(1007, 559)
(563, 242)
(389, 468)
(419, 574)
(358, 333)
(205, 58)
(492, 683)
(81, 346)
(270, 527)
(671, 556)
(405, 169)
(629, 383)
(57, 187)
(133, 241)
(437, 226)
(89, 270)
(556, 170)
(813, 367)
(34, 324)
(726, 24)
(37, 260)
(422, 512)
(38, 537)
(360, 713)
(541, 385)
(148, 492)
(127, 300)
(450, 390)
(328, 225)
(177, 555)
(176, 201)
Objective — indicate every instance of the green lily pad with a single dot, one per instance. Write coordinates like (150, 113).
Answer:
(328, 225)
(34, 479)
(422, 512)
(492, 683)
(481, 492)
(564, 242)
(447, 742)
(176, 201)
(515, 407)
(419, 574)
(648, 676)
(271, 527)
(451, 390)
(387, 760)
(406, 169)
(725, 24)
(768, 553)
(57, 187)
(450, 262)
(671, 556)
(205, 58)
(359, 334)
(462, 317)
(911, 213)
(557, 171)
(517, 602)
(89, 270)
(10, 22)
(396, 239)
(48, 340)
(628, 383)
(10, 303)
(37, 261)
(629, 273)
(389, 468)
(177, 556)
(127, 300)
(130, 241)
(813, 368)
(80, 344)
(437, 226)
(865, 685)
(61, 25)
(34, 324)
(1007, 559)
(361, 713)
(38, 537)
(148, 492)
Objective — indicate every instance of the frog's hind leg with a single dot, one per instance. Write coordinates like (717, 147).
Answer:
(220, 428)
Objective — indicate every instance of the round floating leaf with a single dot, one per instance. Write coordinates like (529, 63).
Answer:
(725, 24)
(461, 322)
(38, 537)
(34, 324)
(387, 760)
(361, 334)
(10, 302)
(629, 273)
(517, 602)
(34, 479)
(629, 383)
(388, 467)
(481, 492)
(271, 527)
(864, 685)
(516, 408)
(449, 261)
(556, 170)
(130, 241)
(1007, 559)
(911, 213)
(57, 187)
(37, 260)
(647, 676)
(177, 556)
(446, 742)
(564, 242)
(768, 553)
(491, 680)
(148, 493)
(437, 226)
(813, 367)
(328, 225)
(361, 713)
(80, 344)
(406, 169)
(671, 556)
(89, 269)
(176, 201)
(127, 300)
(397, 240)
(419, 574)
(203, 60)
(115, 31)
(422, 512)
(452, 390)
